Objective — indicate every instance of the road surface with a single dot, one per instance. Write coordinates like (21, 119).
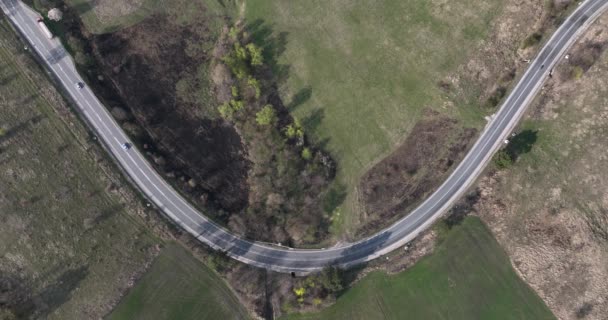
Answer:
(299, 260)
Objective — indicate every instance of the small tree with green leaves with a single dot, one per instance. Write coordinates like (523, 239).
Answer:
(255, 53)
(294, 130)
(266, 116)
(300, 292)
(226, 111)
(306, 154)
(503, 159)
(237, 66)
(233, 33)
(331, 279)
(240, 52)
(577, 72)
(237, 105)
(255, 85)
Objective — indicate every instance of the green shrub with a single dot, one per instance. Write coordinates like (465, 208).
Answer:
(306, 154)
(233, 33)
(577, 72)
(502, 159)
(255, 53)
(266, 116)
(226, 111)
(331, 279)
(255, 84)
(240, 52)
(237, 66)
(294, 130)
(532, 40)
(236, 105)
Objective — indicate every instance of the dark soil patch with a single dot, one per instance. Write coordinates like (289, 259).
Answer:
(145, 63)
(583, 58)
(413, 171)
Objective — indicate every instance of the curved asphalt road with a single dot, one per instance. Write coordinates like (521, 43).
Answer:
(297, 260)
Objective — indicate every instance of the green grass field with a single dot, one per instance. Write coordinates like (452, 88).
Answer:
(119, 14)
(467, 277)
(111, 15)
(72, 243)
(362, 72)
(178, 286)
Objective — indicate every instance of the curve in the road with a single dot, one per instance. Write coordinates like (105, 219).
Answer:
(299, 260)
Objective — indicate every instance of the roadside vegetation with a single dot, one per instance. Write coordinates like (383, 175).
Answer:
(71, 238)
(178, 286)
(455, 282)
(554, 14)
(517, 145)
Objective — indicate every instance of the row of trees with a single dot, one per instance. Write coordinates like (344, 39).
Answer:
(287, 177)
(242, 60)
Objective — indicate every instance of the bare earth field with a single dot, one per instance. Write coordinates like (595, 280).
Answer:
(550, 210)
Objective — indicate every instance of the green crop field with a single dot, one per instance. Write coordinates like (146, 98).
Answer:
(467, 277)
(178, 286)
(69, 242)
(359, 73)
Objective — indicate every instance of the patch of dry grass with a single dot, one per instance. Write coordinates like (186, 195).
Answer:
(67, 233)
(550, 209)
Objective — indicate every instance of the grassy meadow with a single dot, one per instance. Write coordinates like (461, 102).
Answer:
(359, 74)
(178, 286)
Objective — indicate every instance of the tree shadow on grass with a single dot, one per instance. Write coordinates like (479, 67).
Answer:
(521, 143)
(312, 122)
(273, 45)
(334, 197)
(51, 297)
(462, 208)
(84, 7)
(60, 291)
(19, 127)
(5, 80)
(300, 98)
